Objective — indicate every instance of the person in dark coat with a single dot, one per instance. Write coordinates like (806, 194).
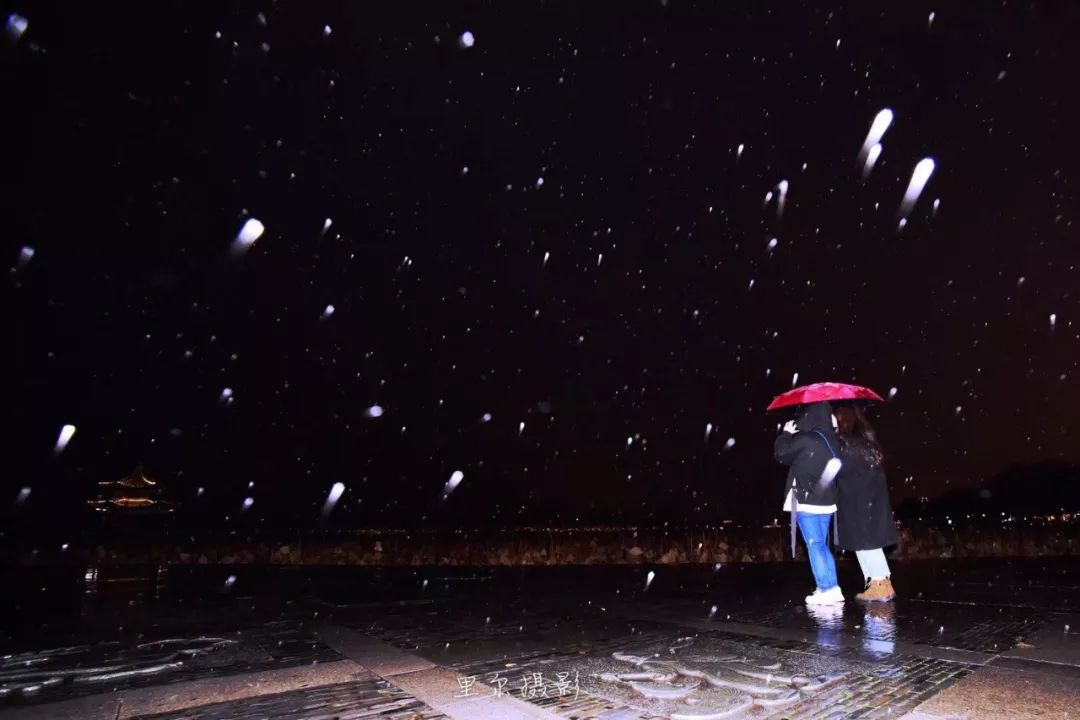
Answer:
(808, 446)
(864, 520)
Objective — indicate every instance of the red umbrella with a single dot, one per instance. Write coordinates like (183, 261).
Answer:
(819, 392)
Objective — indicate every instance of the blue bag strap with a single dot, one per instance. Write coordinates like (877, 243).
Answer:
(827, 443)
(836, 528)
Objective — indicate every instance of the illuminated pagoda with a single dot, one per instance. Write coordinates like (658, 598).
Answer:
(137, 493)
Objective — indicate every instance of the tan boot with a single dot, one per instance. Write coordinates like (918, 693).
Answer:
(878, 591)
(862, 595)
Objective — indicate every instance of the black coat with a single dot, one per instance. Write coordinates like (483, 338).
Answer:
(864, 518)
(806, 453)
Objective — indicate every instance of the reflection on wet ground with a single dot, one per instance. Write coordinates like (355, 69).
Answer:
(92, 630)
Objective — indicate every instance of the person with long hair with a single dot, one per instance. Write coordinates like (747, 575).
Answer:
(864, 516)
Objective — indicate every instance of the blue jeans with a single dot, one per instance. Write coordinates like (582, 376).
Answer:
(815, 531)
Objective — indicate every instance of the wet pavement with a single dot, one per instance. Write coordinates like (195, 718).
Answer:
(572, 642)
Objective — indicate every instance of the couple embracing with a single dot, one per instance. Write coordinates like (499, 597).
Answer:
(835, 469)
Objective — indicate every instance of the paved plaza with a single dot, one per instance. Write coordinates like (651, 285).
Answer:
(965, 639)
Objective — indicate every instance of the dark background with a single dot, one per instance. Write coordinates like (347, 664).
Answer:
(141, 140)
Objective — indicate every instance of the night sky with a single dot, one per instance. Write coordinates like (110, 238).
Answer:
(563, 224)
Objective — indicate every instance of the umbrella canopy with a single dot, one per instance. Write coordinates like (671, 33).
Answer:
(819, 392)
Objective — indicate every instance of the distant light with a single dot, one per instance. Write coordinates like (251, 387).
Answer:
(466, 40)
(66, 433)
(374, 411)
(16, 26)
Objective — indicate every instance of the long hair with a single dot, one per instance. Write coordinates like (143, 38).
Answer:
(857, 434)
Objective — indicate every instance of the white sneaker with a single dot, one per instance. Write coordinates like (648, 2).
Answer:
(829, 597)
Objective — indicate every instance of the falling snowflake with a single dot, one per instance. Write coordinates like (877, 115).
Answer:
(336, 491)
(66, 433)
(881, 123)
(871, 159)
(455, 479)
(919, 177)
(251, 231)
(16, 26)
(466, 40)
(832, 468)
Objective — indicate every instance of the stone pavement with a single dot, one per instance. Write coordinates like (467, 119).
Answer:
(965, 639)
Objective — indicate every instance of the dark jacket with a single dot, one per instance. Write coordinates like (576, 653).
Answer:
(806, 454)
(864, 518)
